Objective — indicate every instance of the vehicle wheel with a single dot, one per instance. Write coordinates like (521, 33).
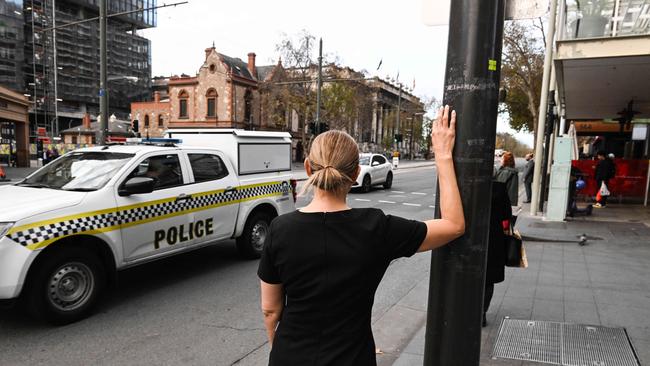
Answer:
(66, 285)
(389, 181)
(251, 243)
(366, 185)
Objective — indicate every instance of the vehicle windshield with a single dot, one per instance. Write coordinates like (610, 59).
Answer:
(78, 171)
(364, 160)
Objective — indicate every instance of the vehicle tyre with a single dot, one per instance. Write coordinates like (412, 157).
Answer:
(66, 285)
(251, 242)
(389, 181)
(366, 185)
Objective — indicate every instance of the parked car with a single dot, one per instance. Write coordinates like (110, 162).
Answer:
(375, 169)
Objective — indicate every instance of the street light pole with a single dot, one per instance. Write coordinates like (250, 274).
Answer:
(55, 124)
(543, 104)
(103, 92)
(320, 85)
(399, 110)
(455, 307)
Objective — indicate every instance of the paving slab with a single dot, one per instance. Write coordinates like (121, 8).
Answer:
(603, 283)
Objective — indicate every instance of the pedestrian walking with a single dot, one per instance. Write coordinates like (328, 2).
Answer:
(322, 264)
(529, 169)
(605, 170)
(508, 174)
(500, 211)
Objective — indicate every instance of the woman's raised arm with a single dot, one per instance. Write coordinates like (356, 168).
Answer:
(452, 224)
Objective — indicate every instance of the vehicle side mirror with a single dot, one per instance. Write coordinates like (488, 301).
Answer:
(375, 163)
(137, 185)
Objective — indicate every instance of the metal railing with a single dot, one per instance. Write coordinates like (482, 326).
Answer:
(604, 18)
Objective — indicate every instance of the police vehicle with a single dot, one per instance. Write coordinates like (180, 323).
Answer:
(66, 229)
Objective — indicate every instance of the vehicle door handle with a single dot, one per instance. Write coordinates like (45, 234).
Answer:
(230, 190)
(183, 197)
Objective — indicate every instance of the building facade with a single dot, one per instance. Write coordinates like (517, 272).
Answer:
(151, 119)
(71, 78)
(224, 93)
(14, 128)
(12, 44)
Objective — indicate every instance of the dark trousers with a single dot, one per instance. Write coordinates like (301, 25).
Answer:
(603, 199)
(529, 190)
(489, 291)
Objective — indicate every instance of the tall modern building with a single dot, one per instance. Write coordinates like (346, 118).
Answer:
(69, 77)
(11, 44)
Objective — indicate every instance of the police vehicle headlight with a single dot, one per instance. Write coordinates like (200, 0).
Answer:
(4, 228)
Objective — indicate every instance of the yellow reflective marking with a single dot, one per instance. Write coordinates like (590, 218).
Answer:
(117, 211)
(123, 208)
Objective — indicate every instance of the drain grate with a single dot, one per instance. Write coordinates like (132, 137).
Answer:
(598, 346)
(529, 340)
(563, 344)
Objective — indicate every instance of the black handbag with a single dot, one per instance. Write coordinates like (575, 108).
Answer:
(515, 251)
(513, 246)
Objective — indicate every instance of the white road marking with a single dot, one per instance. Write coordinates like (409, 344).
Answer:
(411, 204)
(419, 193)
(361, 199)
(396, 196)
(382, 201)
(432, 206)
(396, 192)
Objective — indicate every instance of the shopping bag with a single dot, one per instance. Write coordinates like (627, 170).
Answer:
(603, 189)
(524, 259)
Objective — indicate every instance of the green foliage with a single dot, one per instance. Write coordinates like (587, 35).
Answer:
(339, 104)
(508, 142)
(521, 74)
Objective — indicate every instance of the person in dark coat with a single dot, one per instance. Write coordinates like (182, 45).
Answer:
(605, 170)
(496, 255)
(508, 174)
(529, 169)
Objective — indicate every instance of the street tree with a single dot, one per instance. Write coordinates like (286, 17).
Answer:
(297, 55)
(521, 73)
(508, 142)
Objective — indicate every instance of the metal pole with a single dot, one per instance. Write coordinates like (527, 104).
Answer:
(34, 66)
(103, 92)
(455, 307)
(399, 111)
(550, 123)
(546, 77)
(55, 124)
(320, 85)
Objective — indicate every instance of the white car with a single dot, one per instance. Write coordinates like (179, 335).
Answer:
(375, 169)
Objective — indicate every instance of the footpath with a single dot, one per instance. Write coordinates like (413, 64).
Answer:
(606, 282)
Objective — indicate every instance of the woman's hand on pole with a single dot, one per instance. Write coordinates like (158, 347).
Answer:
(443, 133)
(451, 225)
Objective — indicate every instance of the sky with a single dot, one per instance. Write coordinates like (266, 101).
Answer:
(361, 33)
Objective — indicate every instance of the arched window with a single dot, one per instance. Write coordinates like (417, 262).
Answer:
(211, 98)
(161, 122)
(182, 104)
(146, 121)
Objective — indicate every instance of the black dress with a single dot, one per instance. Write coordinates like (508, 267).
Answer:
(330, 265)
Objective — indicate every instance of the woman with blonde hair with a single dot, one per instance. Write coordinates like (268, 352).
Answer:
(322, 264)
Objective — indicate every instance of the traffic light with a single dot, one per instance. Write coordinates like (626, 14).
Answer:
(324, 127)
(317, 129)
(136, 126)
(398, 137)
